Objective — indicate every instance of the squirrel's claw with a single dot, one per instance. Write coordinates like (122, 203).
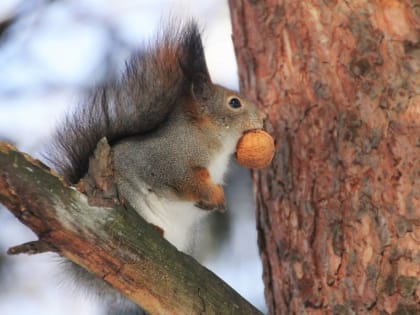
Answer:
(211, 207)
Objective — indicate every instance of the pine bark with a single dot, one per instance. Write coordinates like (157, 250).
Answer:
(339, 209)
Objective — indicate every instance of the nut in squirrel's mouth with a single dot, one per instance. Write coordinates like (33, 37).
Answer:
(255, 149)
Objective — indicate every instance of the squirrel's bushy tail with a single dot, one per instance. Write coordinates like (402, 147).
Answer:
(138, 102)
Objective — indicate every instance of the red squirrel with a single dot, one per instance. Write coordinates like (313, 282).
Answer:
(171, 131)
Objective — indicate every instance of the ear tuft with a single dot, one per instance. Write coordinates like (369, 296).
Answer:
(193, 62)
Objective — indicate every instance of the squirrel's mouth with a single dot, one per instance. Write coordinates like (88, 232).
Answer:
(255, 124)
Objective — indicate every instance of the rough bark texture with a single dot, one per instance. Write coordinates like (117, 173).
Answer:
(339, 210)
(113, 242)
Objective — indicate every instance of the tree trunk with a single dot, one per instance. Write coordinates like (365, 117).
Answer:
(339, 209)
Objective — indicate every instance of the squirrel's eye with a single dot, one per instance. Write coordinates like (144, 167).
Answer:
(235, 103)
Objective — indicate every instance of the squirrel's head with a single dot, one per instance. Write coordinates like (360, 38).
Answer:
(236, 111)
(229, 110)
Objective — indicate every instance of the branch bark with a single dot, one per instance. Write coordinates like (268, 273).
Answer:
(114, 243)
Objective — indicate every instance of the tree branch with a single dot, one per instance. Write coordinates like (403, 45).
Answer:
(114, 243)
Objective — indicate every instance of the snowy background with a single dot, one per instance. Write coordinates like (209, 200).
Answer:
(51, 53)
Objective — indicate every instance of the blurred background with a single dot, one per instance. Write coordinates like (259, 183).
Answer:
(51, 53)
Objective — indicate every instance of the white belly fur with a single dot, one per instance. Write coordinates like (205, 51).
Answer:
(175, 217)
(218, 166)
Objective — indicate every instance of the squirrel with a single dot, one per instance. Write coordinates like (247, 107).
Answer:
(171, 131)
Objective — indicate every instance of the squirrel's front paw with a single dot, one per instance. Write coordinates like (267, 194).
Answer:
(210, 206)
(212, 197)
(201, 189)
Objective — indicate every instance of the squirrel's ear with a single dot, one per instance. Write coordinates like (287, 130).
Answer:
(193, 63)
